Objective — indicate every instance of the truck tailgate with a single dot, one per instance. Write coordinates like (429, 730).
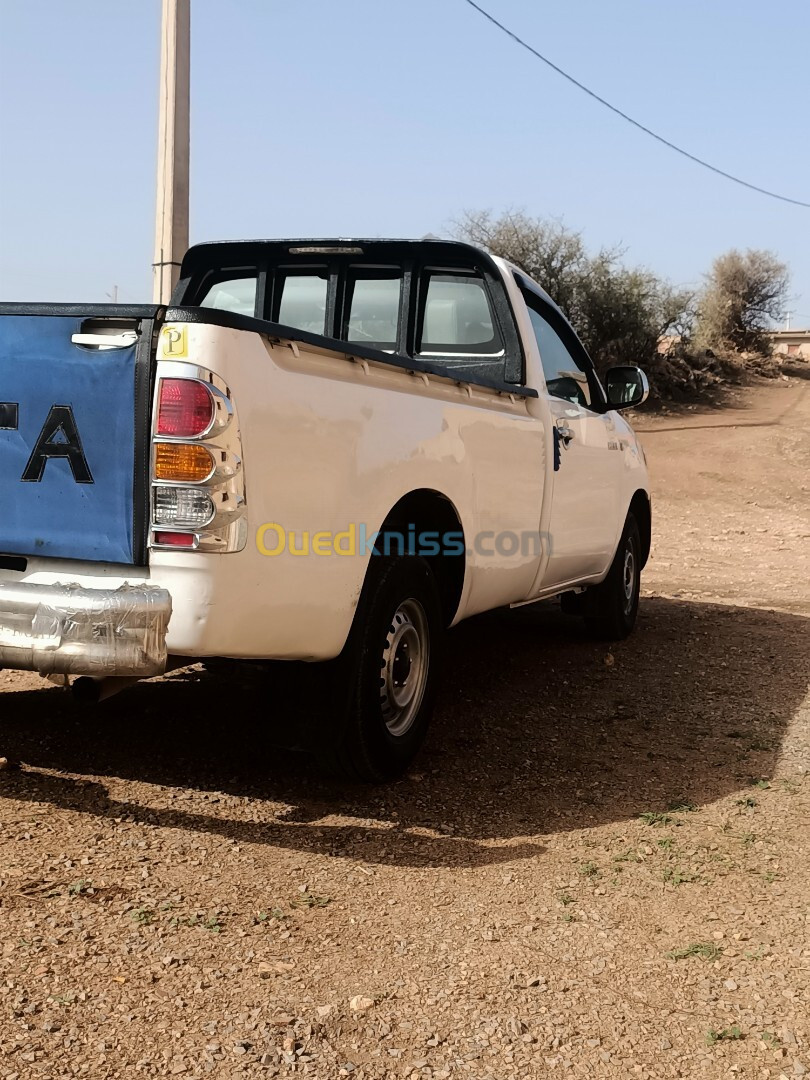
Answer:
(74, 432)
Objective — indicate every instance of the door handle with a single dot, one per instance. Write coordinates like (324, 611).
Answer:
(106, 341)
(564, 432)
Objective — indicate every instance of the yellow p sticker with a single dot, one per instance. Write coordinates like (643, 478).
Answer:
(175, 342)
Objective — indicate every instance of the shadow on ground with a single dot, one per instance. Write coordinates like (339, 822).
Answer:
(539, 730)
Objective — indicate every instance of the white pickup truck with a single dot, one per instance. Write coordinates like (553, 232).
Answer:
(323, 450)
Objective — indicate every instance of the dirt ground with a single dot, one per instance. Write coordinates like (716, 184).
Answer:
(600, 866)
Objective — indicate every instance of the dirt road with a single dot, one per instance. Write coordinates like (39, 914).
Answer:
(732, 500)
(600, 867)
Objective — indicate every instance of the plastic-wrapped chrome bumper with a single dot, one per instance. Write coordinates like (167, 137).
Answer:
(72, 630)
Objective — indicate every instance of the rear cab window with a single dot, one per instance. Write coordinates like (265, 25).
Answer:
(233, 290)
(300, 299)
(373, 308)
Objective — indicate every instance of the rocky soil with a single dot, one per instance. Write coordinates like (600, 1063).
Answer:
(600, 866)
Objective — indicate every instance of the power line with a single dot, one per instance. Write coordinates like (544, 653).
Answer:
(629, 119)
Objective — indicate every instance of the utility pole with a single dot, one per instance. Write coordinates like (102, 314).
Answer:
(171, 216)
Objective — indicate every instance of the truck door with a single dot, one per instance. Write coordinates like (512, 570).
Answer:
(587, 462)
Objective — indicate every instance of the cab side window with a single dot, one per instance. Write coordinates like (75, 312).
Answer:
(566, 376)
(456, 317)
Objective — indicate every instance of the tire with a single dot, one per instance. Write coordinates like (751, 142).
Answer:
(388, 672)
(613, 605)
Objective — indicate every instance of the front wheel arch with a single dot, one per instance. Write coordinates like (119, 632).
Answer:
(641, 510)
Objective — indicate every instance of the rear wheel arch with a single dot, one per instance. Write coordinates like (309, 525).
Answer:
(427, 510)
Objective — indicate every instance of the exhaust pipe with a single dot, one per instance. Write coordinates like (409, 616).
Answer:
(89, 690)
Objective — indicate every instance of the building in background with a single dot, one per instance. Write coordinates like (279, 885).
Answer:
(791, 343)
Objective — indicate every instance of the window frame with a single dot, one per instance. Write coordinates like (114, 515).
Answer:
(534, 300)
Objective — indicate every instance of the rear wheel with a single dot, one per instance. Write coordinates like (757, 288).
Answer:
(613, 605)
(388, 671)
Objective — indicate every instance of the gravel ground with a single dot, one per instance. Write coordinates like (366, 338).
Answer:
(599, 867)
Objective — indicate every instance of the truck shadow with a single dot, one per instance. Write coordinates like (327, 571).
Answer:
(538, 731)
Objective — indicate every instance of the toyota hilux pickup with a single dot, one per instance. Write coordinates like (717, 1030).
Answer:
(321, 450)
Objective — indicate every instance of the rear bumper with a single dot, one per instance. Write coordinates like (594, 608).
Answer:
(72, 630)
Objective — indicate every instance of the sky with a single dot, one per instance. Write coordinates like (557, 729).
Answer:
(391, 117)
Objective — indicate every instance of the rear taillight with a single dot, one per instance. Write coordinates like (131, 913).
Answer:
(186, 409)
(198, 485)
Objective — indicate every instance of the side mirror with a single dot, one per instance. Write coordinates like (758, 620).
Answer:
(626, 387)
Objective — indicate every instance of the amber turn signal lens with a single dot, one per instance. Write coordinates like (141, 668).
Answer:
(182, 463)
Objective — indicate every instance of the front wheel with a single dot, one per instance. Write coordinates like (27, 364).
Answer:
(388, 671)
(614, 604)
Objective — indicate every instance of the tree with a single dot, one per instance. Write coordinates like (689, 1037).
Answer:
(745, 293)
(623, 313)
(620, 314)
(546, 250)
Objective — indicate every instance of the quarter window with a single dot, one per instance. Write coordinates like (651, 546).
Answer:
(457, 317)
